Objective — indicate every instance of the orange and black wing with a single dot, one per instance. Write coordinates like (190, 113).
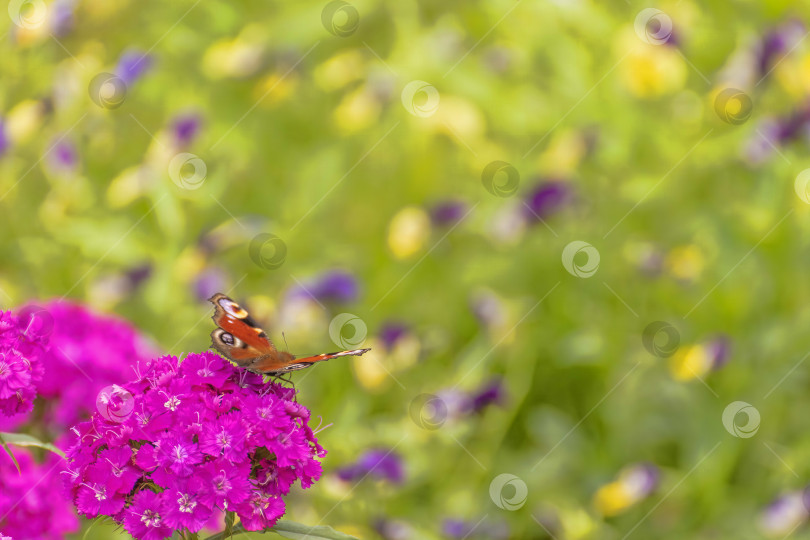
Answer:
(237, 335)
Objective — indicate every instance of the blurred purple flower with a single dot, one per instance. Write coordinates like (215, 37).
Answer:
(390, 529)
(132, 65)
(138, 274)
(63, 158)
(331, 286)
(778, 41)
(391, 332)
(546, 199)
(491, 393)
(718, 349)
(5, 141)
(459, 529)
(448, 213)
(640, 479)
(774, 133)
(62, 16)
(382, 464)
(673, 40)
(784, 514)
(456, 528)
(488, 308)
(209, 282)
(185, 127)
(31, 505)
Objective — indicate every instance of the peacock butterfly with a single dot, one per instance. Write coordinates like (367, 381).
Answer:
(239, 338)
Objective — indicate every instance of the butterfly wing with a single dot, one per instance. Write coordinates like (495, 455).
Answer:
(300, 363)
(237, 335)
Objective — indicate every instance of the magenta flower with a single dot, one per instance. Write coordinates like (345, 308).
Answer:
(22, 347)
(30, 503)
(87, 353)
(145, 517)
(203, 436)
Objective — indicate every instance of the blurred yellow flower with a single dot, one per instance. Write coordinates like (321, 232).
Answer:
(576, 523)
(132, 183)
(340, 70)
(369, 370)
(612, 499)
(404, 353)
(276, 88)
(685, 262)
(564, 153)
(634, 483)
(690, 362)
(188, 265)
(25, 119)
(408, 232)
(650, 70)
(357, 111)
(459, 119)
(232, 58)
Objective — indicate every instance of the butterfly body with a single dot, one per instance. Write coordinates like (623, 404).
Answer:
(240, 339)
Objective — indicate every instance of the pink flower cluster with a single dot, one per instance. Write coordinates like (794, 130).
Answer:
(21, 348)
(88, 352)
(30, 504)
(186, 439)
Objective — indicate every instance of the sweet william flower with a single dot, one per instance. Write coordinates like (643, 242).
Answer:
(203, 436)
(21, 350)
(145, 518)
(30, 503)
(85, 352)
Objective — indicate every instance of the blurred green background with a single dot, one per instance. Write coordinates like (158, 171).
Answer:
(359, 135)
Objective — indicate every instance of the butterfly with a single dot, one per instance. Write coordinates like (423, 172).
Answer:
(239, 338)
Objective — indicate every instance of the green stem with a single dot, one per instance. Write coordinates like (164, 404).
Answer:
(281, 527)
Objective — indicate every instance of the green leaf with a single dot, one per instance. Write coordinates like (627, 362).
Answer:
(93, 523)
(21, 439)
(10, 453)
(290, 529)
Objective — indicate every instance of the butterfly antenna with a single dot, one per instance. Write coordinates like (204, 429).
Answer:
(285, 342)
